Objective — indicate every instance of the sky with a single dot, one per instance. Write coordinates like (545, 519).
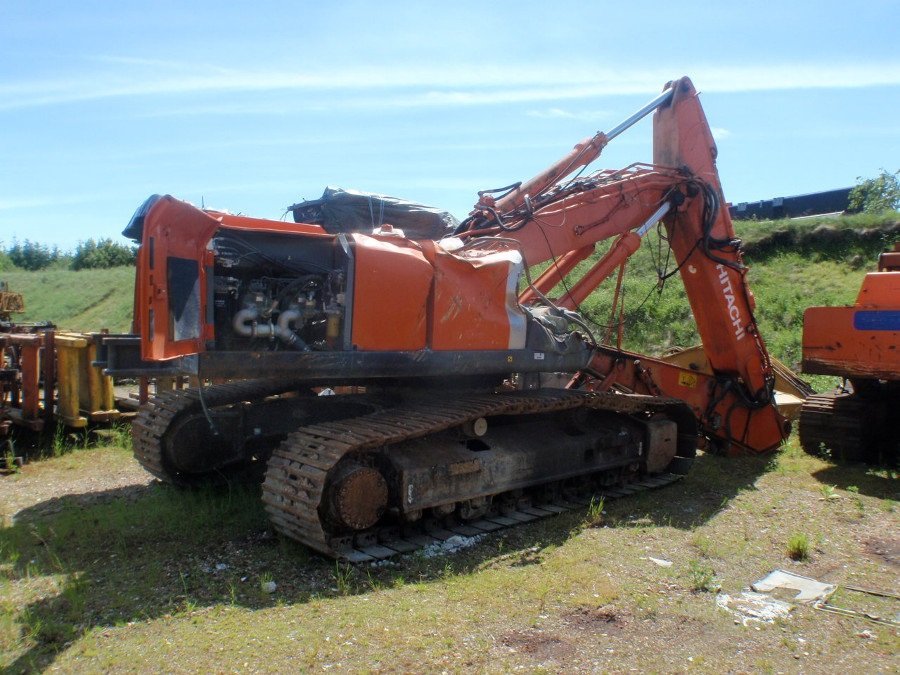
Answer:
(251, 107)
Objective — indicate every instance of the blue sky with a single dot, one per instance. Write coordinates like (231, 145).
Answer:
(252, 107)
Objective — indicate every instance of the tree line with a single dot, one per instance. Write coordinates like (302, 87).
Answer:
(90, 254)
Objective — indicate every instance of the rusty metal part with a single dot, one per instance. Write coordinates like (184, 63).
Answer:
(301, 474)
(357, 497)
(10, 303)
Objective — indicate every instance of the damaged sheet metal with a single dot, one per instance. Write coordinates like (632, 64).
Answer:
(809, 591)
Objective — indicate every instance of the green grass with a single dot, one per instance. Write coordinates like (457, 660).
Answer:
(84, 301)
(798, 547)
(862, 230)
(147, 577)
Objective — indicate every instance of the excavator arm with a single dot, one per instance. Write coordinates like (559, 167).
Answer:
(562, 221)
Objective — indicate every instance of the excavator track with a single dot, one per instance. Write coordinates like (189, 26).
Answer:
(298, 472)
(849, 427)
(833, 424)
(155, 419)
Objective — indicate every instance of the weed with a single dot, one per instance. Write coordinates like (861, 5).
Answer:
(58, 444)
(447, 571)
(703, 544)
(9, 458)
(702, 577)
(342, 578)
(798, 547)
(264, 580)
(119, 436)
(828, 492)
(374, 584)
(860, 507)
(594, 515)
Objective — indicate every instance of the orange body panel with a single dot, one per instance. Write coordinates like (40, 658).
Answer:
(415, 295)
(475, 302)
(172, 229)
(390, 294)
(860, 341)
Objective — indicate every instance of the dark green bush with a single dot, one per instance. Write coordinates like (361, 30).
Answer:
(30, 255)
(875, 195)
(101, 254)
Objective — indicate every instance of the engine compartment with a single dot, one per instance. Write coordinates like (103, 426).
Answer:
(271, 294)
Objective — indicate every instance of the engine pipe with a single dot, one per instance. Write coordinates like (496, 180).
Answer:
(246, 324)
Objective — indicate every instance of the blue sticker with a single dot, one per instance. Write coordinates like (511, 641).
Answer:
(877, 320)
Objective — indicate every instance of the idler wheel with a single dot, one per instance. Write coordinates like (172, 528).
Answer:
(357, 497)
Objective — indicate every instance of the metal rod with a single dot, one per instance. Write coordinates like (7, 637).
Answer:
(652, 220)
(662, 99)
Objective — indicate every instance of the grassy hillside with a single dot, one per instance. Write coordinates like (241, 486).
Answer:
(794, 265)
(87, 300)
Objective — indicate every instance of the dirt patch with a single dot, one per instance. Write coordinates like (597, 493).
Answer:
(885, 549)
(606, 620)
(538, 644)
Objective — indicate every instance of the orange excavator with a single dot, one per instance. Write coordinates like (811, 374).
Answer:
(861, 344)
(482, 398)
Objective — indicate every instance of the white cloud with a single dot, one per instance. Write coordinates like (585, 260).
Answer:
(428, 87)
(719, 133)
(560, 113)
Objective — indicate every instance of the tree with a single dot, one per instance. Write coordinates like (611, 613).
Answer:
(31, 255)
(875, 195)
(104, 253)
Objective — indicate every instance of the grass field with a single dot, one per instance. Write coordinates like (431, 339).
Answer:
(103, 570)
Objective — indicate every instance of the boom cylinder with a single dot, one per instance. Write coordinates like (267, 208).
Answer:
(582, 154)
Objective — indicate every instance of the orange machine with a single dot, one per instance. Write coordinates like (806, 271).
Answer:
(486, 394)
(860, 343)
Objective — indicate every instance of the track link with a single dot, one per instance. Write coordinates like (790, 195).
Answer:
(833, 423)
(157, 416)
(850, 427)
(298, 471)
